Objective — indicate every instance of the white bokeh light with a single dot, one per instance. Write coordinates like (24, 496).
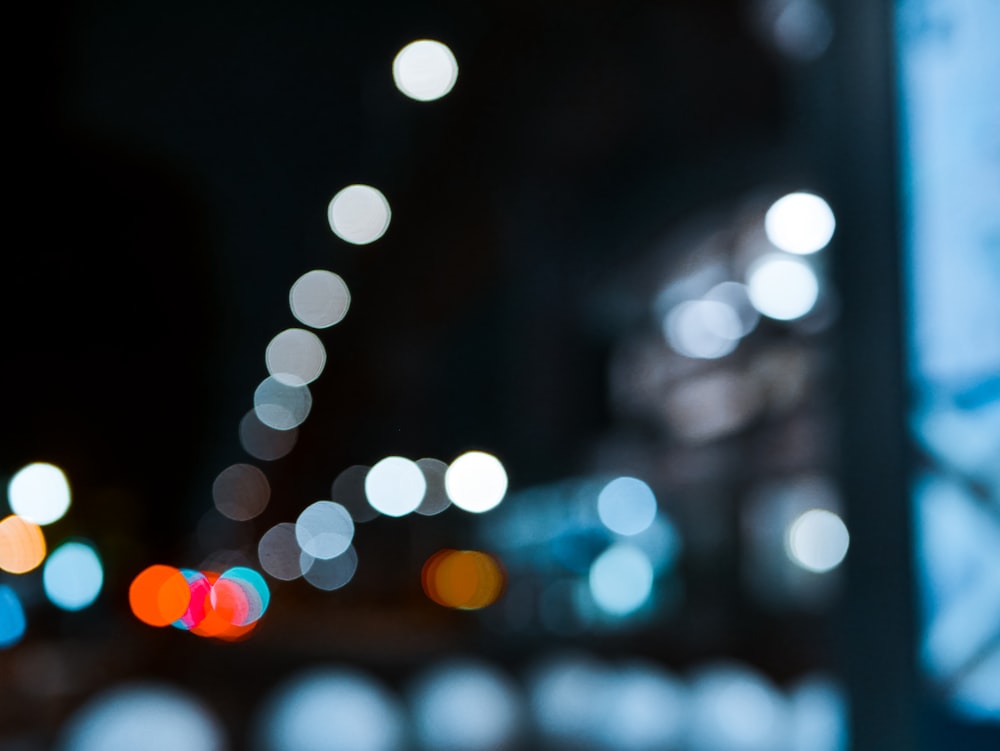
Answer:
(73, 576)
(319, 299)
(40, 493)
(626, 505)
(324, 529)
(151, 717)
(279, 553)
(736, 709)
(295, 356)
(705, 329)
(621, 579)
(737, 297)
(332, 573)
(281, 404)
(800, 223)
(425, 70)
(466, 706)
(818, 540)
(359, 214)
(332, 709)
(476, 482)
(782, 287)
(395, 486)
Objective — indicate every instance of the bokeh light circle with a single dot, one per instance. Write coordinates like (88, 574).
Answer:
(436, 497)
(466, 706)
(150, 717)
(463, 579)
(254, 589)
(349, 491)
(319, 299)
(12, 620)
(241, 492)
(818, 540)
(279, 553)
(782, 287)
(282, 403)
(73, 576)
(395, 486)
(626, 505)
(800, 223)
(734, 707)
(425, 70)
(332, 709)
(332, 574)
(159, 595)
(324, 529)
(39, 493)
(703, 329)
(22, 545)
(359, 214)
(476, 482)
(621, 579)
(262, 442)
(295, 356)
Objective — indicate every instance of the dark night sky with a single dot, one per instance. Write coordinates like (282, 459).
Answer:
(173, 183)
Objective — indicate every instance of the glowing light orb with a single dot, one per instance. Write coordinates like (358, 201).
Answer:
(324, 529)
(295, 356)
(736, 296)
(436, 498)
(395, 486)
(241, 492)
(39, 493)
(151, 717)
(800, 223)
(359, 214)
(733, 707)
(199, 603)
(818, 540)
(255, 591)
(425, 70)
(159, 595)
(476, 482)
(332, 709)
(73, 576)
(466, 706)
(281, 404)
(331, 574)
(349, 491)
(12, 620)
(704, 329)
(22, 545)
(319, 299)
(782, 287)
(263, 442)
(279, 553)
(463, 579)
(646, 709)
(621, 580)
(626, 505)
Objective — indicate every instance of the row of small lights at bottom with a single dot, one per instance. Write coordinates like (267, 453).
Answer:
(563, 702)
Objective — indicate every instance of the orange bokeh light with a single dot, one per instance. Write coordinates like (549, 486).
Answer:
(159, 595)
(22, 545)
(463, 579)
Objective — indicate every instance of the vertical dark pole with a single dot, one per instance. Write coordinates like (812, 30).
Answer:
(879, 620)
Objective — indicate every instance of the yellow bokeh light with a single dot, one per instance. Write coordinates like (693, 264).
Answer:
(463, 579)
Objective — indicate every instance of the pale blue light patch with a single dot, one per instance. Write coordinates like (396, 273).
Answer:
(73, 576)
